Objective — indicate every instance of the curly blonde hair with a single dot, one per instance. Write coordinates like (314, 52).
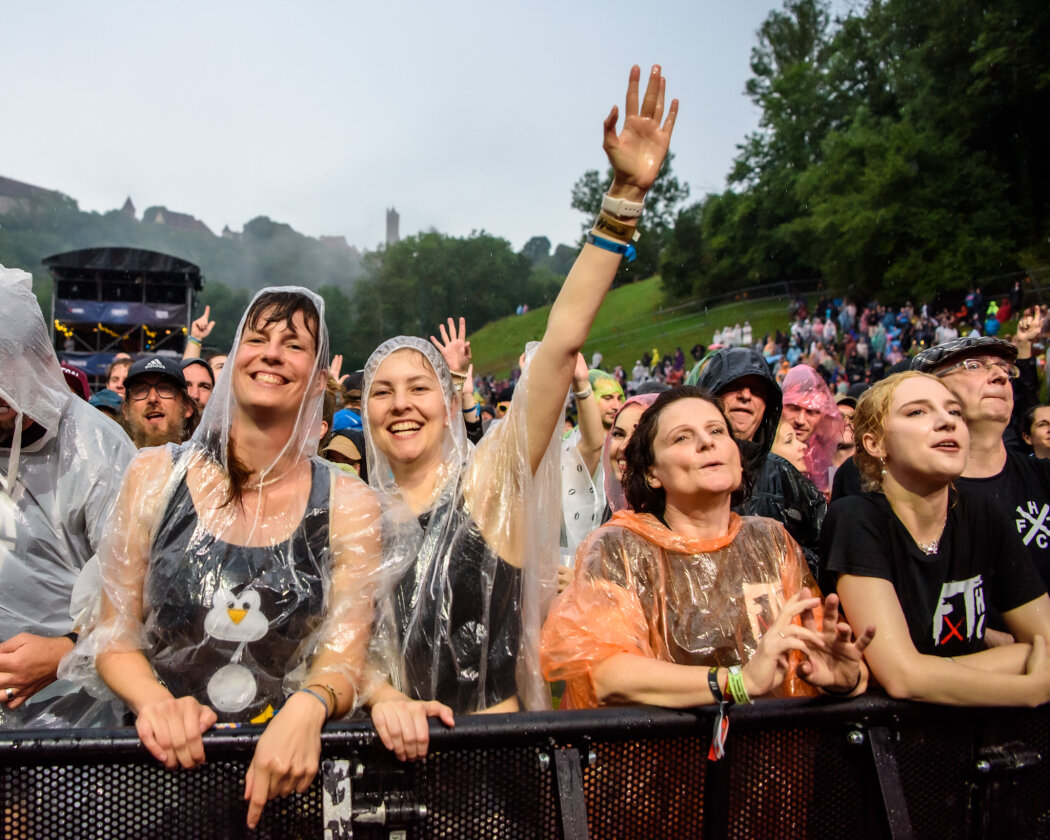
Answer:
(870, 419)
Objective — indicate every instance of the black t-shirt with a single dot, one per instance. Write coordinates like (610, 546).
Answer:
(1022, 492)
(943, 595)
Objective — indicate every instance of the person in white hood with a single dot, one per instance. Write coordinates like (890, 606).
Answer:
(61, 464)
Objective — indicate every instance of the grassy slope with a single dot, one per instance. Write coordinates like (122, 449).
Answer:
(629, 323)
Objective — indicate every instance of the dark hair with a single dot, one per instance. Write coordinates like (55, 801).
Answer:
(269, 308)
(1029, 418)
(639, 453)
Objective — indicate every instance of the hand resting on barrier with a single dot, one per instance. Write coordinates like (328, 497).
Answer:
(401, 723)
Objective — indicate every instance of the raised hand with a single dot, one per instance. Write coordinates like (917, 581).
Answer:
(202, 327)
(336, 368)
(638, 151)
(836, 665)
(454, 346)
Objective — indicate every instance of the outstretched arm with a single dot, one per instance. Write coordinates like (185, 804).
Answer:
(592, 433)
(636, 154)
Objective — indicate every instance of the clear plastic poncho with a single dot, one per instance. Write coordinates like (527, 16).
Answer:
(463, 624)
(804, 387)
(642, 589)
(58, 482)
(235, 603)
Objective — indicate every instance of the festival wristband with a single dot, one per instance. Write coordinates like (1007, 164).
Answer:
(193, 340)
(624, 250)
(736, 686)
(586, 392)
(607, 224)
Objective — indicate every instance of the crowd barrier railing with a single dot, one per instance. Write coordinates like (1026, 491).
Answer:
(866, 768)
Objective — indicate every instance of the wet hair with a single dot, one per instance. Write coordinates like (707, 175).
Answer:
(114, 365)
(869, 418)
(640, 458)
(269, 308)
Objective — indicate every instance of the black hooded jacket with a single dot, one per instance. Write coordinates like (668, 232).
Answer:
(777, 489)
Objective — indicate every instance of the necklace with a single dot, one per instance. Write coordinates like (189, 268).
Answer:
(261, 484)
(932, 546)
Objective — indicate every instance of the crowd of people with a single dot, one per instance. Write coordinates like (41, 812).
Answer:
(257, 537)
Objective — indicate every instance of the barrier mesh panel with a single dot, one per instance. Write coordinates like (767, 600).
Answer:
(137, 802)
(491, 793)
(646, 789)
(796, 783)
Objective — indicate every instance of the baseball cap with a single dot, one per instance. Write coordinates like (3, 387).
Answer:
(156, 364)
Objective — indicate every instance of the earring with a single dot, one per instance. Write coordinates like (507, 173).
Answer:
(883, 462)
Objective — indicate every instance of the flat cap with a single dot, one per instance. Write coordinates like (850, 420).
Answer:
(960, 348)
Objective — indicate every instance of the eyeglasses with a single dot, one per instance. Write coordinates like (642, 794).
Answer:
(140, 390)
(982, 365)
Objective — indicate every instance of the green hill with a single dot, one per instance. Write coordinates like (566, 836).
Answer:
(630, 322)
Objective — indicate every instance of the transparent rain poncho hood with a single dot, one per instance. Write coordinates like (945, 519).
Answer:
(641, 589)
(235, 601)
(58, 483)
(463, 625)
(804, 387)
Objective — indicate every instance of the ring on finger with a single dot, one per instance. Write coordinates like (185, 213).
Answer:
(10, 692)
(781, 633)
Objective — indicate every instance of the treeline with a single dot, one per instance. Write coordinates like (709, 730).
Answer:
(902, 153)
(409, 287)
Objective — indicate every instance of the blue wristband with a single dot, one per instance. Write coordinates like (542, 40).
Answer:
(621, 248)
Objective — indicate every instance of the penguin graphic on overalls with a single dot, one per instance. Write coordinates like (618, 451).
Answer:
(234, 618)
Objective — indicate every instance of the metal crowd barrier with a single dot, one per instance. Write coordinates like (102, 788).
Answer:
(867, 768)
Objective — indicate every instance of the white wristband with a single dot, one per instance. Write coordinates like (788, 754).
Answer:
(621, 207)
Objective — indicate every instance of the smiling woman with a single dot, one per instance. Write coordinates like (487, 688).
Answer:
(239, 572)
(461, 632)
(926, 561)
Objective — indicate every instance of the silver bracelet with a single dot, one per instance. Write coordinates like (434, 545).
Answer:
(582, 395)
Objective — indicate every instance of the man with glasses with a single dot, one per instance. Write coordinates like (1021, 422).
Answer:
(157, 406)
(992, 379)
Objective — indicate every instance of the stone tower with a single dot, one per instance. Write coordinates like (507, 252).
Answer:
(393, 220)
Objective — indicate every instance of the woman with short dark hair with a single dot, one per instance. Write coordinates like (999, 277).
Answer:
(680, 600)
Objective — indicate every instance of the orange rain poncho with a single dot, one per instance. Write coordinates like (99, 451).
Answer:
(642, 589)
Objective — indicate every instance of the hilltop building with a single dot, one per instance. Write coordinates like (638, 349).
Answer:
(178, 221)
(393, 223)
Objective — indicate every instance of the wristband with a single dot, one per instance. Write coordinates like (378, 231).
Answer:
(736, 686)
(72, 637)
(474, 409)
(622, 207)
(455, 374)
(616, 228)
(193, 340)
(712, 682)
(586, 392)
(331, 694)
(320, 700)
(721, 730)
(620, 248)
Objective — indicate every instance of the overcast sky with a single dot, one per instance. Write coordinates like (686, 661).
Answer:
(461, 115)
